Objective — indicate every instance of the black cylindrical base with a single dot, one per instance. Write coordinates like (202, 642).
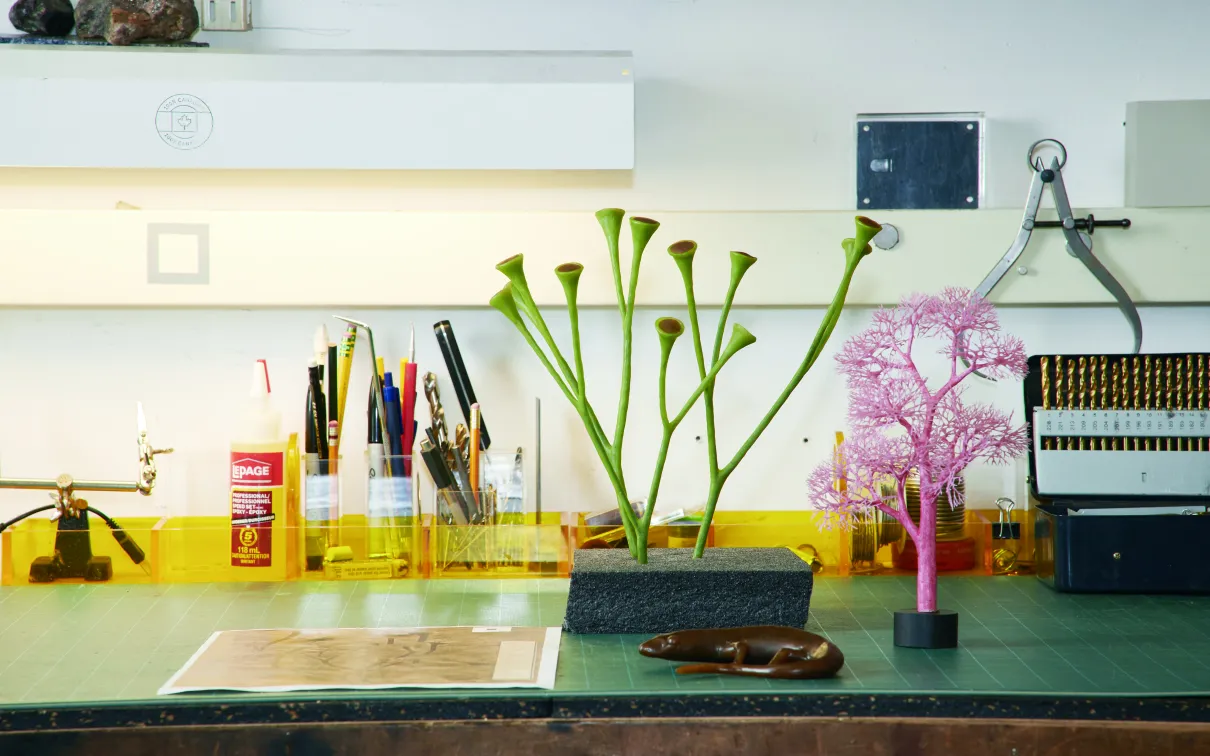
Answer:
(937, 629)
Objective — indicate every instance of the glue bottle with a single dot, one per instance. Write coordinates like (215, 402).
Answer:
(258, 472)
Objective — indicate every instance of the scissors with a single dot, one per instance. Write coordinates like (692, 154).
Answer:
(1078, 244)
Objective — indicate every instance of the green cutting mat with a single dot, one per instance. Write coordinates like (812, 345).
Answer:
(96, 643)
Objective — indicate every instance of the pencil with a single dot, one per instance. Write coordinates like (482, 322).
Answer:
(473, 462)
(345, 367)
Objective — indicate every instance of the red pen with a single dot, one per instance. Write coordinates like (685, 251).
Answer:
(407, 400)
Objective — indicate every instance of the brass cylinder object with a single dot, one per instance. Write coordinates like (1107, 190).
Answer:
(951, 521)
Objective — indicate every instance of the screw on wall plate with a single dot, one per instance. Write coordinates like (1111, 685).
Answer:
(865, 128)
(970, 198)
(865, 201)
(971, 127)
(1022, 270)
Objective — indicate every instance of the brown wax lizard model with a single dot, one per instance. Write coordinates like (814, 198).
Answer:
(766, 651)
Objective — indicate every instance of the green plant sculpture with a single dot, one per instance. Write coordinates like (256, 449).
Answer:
(517, 304)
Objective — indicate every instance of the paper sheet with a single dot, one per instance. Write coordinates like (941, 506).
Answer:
(371, 659)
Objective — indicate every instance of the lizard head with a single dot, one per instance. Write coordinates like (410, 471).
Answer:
(662, 646)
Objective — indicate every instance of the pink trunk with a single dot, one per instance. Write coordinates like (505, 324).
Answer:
(926, 561)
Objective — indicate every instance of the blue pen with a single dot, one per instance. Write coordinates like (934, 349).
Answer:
(390, 397)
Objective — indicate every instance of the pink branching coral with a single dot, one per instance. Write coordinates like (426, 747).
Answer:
(902, 427)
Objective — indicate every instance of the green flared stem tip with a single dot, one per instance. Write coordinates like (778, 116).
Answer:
(504, 302)
(513, 267)
(641, 231)
(740, 338)
(611, 221)
(569, 273)
(670, 329)
(740, 262)
(859, 246)
(569, 276)
(682, 254)
(867, 229)
(683, 249)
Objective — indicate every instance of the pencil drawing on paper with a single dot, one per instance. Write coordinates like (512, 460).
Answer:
(260, 660)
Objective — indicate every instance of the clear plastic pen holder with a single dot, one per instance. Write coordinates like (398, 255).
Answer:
(321, 509)
(392, 523)
(484, 529)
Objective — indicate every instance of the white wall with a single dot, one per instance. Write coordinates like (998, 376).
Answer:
(740, 105)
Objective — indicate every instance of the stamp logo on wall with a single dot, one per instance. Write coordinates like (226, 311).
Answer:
(184, 122)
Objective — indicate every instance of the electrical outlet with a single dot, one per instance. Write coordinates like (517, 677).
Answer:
(226, 15)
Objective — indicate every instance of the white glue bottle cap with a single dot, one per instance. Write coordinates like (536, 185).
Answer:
(262, 423)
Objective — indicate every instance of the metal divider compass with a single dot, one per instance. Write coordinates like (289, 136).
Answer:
(1077, 231)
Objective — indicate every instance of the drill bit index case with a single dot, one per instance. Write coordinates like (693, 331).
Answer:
(1119, 466)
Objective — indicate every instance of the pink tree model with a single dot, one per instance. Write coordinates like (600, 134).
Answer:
(903, 427)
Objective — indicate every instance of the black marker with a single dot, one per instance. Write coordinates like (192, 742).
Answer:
(458, 376)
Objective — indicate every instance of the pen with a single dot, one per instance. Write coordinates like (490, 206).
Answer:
(320, 347)
(458, 375)
(394, 440)
(409, 414)
(316, 411)
(333, 380)
(379, 507)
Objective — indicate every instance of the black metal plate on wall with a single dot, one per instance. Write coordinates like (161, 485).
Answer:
(917, 165)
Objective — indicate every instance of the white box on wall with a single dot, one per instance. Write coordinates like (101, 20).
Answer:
(1168, 153)
(96, 107)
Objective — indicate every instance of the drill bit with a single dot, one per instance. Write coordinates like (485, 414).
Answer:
(1148, 395)
(1071, 397)
(1134, 388)
(1178, 402)
(1082, 442)
(1201, 394)
(1168, 397)
(1045, 393)
(1115, 396)
(1103, 392)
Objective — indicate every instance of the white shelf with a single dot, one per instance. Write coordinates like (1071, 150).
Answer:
(97, 107)
(280, 259)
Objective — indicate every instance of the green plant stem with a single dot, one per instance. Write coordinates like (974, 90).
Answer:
(571, 386)
(619, 428)
(584, 410)
(821, 337)
(670, 427)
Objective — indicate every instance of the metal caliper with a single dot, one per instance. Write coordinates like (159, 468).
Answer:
(1077, 232)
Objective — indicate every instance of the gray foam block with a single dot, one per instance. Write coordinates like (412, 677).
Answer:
(612, 593)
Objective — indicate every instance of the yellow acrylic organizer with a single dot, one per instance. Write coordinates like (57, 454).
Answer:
(487, 532)
(803, 532)
(521, 549)
(383, 540)
(34, 538)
